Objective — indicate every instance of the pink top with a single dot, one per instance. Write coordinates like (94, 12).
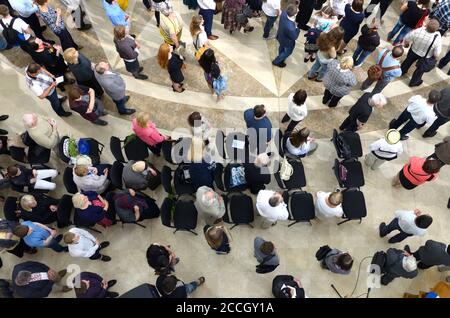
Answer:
(150, 135)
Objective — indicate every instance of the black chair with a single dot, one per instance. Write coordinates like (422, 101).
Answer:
(142, 291)
(38, 155)
(115, 146)
(174, 150)
(9, 209)
(166, 211)
(166, 180)
(347, 144)
(116, 174)
(95, 150)
(185, 216)
(65, 208)
(135, 148)
(222, 178)
(297, 179)
(353, 205)
(18, 154)
(349, 173)
(239, 209)
(172, 182)
(81, 223)
(70, 185)
(300, 206)
(220, 143)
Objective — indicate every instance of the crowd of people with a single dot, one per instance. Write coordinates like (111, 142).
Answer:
(98, 199)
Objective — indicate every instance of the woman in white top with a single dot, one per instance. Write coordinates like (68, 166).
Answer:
(329, 204)
(384, 149)
(299, 143)
(198, 33)
(339, 7)
(297, 110)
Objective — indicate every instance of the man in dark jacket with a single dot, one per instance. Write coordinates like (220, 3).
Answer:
(172, 287)
(442, 111)
(287, 35)
(431, 254)
(286, 286)
(442, 151)
(91, 285)
(398, 264)
(36, 280)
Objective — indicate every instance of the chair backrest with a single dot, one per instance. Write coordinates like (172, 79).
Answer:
(240, 209)
(116, 174)
(227, 178)
(9, 209)
(279, 139)
(181, 186)
(71, 187)
(115, 146)
(166, 211)
(95, 150)
(142, 291)
(65, 207)
(234, 153)
(166, 179)
(220, 143)
(136, 149)
(354, 204)
(185, 216)
(301, 206)
(166, 149)
(218, 174)
(18, 154)
(61, 154)
(38, 156)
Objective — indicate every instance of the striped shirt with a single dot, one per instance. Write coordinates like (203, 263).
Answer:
(39, 84)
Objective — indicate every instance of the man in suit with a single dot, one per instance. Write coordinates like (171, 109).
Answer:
(398, 264)
(431, 254)
(287, 35)
(114, 86)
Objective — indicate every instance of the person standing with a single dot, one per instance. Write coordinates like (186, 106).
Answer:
(368, 42)
(218, 237)
(116, 15)
(431, 254)
(398, 263)
(43, 84)
(174, 63)
(265, 253)
(305, 10)
(408, 223)
(272, 9)
(27, 12)
(287, 35)
(171, 27)
(42, 130)
(256, 119)
(384, 149)
(384, 5)
(91, 285)
(416, 172)
(271, 207)
(81, 243)
(425, 42)
(209, 204)
(286, 286)
(442, 14)
(338, 81)
(114, 85)
(39, 235)
(297, 110)
(83, 101)
(444, 61)
(442, 151)
(337, 262)
(171, 287)
(442, 111)
(390, 65)
(23, 30)
(207, 9)
(359, 114)
(230, 10)
(353, 18)
(418, 113)
(128, 50)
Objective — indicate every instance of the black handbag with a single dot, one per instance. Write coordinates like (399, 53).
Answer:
(262, 268)
(426, 64)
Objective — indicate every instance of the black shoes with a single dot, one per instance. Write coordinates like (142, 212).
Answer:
(3, 132)
(85, 26)
(128, 111)
(127, 98)
(105, 258)
(382, 229)
(66, 114)
(282, 64)
(429, 135)
(100, 122)
(141, 68)
(140, 76)
(111, 283)
(62, 99)
(104, 245)
(404, 137)
(4, 117)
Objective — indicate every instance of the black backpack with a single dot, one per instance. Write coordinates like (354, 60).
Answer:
(322, 252)
(11, 36)
(345, 149)
(262, 268)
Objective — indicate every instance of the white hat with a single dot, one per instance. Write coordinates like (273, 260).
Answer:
(392, 136)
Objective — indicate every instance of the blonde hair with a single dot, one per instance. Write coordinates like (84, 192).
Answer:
(78, 200)
(214, 236)
(163, 55)
(196, 22)
(335, 198)
(70, 55)
(119, 32)
(81, 171)
(138, 166)
(346, 63)
(68, 237)
(26, 201)
(142, 119)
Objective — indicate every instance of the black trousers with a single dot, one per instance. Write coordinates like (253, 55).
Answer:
(394, 226)
(156, 149)
(349, 124)
(420, 264)
(305, 10)
(405, 117)
(409, 61)
(35, 25)
(291, 125)
(66, 40)
(438, 122)
(384, 4)
(94, 84)
(332, 99)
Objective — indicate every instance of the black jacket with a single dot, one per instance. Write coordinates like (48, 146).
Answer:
(434, 253)
(38, 289)
(369, 40)
(442, 107)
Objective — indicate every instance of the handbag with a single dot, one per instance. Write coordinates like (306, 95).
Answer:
(286, 170)
(322, 252)
(342, 173)
(426, 64)
(262, 268)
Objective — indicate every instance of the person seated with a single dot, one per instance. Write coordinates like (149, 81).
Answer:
(201, 167)
(82, 100)
(337, 262)
(218, 238)
(88, 178)
(257, 174)
(286, 286)
(91, 208)
(161, 258)
(132, 207)
(172, 287)
(38, 208)
(209, 204)
(21, 176)
(81, 243)
(93, 286)
(299, 144)
(39, 235)
(139, 175)
(329, 204)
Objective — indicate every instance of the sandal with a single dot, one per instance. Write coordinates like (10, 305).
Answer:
(201, 281)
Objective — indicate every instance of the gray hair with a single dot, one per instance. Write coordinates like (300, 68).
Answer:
(23, 278)
(409, 264)
(274, 200)
(206, 200)
(291, 10)
(28, 120)
(378, 100)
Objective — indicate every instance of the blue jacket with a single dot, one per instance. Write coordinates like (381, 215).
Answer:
(38, 289)
(287, 31)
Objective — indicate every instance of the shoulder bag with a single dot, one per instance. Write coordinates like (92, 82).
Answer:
(426, 64)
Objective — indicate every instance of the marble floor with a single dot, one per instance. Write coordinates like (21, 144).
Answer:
(245, 59)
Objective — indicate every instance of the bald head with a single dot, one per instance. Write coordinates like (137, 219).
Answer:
(29, 120)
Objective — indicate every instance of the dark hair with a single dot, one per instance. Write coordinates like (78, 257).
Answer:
(299, 137)
(12, 170)
(21, 230)
(273, 201)
(109, 1)
(431, 166)
(344, 261)
(41, 2)
(448, 249)
(291, 10)
(423, 221)
(4, 10)
(169, 283)
(193, 117)
(300, 97)
(424, 3)
(32, 43)
(397, 51)
(434, 96)
(259, 111)
(157, 257)
(267, 248)
(357, 5)
(207, 60)
(33, 68)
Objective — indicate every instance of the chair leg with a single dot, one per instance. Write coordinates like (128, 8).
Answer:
(360, 220)
(233, 226)
(176, 230)
(251, 225)
(141, 225)
(295, 222)
(344, 222)
(95, 230)
(193, 232)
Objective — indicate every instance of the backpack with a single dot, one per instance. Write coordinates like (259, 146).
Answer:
(425, 13)
(322, 252)
(11, 36)
(262, 268)
(375, 72)
(344, 148)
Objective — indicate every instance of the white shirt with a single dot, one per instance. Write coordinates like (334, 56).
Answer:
(200, 39)
(294, 111)
(271, 7)
(420, 111)
(19, 25)
(25, 8)
(207, 4)
(85, 247)
(406, 222)
(271, 213)
(298, 151)
(338, 6)
(421, 41)
(322, 208)
(385, 150)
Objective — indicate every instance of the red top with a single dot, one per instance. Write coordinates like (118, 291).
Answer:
(414, 173)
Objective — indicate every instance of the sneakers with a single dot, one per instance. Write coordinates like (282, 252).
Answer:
(111, 283)
(140, 76)
(105, 258)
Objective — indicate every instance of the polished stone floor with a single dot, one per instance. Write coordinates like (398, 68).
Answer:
(245, 59)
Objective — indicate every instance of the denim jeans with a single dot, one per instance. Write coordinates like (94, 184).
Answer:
(208, 16)
(56, 104)
(191, 287)
(54, 245)
(444, 61)
(318, 68)
(283, 53)
(399, 27)
(360, 55)
(269, 25)
(120, 104)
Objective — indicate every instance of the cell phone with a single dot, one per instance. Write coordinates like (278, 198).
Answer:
(59, 79)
